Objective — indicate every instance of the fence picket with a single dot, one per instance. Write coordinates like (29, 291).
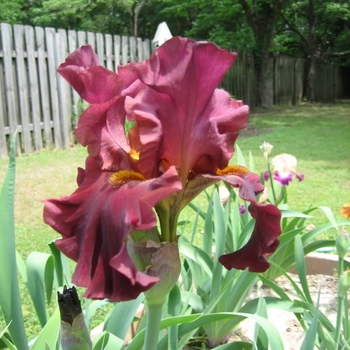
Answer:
(132, 49)
(124, 49)
(109, 50)
(50, 46)
(3, 140)
(116, 51)
(100, 46)
(44, 86)
(81, 38)
(91, 40)
(22, 83)
(72, 46)
(10, 87)
(64, 92)
(139, 49)
(33, 88)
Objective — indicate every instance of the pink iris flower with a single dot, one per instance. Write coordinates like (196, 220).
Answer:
(181, 141)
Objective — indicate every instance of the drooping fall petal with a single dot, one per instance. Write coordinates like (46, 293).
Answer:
(195, 123)
(263, 242)
(264, 239)
(94, 222)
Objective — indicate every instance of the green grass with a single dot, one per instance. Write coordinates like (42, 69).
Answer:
(317, 135)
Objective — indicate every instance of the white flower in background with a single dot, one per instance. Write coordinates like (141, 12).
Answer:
(284, 168)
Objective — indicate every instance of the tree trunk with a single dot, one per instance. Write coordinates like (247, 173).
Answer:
(265, 74)
(310, 80)
(135, 11)
(311, 54)
(261, 17)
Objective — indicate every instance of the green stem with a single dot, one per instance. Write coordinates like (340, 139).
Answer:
(344, 301)
(338, 322)
(346, 318)
(163, 215)
(271, 181)
(154, 316)
(339, 307)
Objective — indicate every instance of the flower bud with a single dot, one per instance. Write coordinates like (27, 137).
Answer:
(74, 334)
(266, 149)
(343, 284)
(342, 244)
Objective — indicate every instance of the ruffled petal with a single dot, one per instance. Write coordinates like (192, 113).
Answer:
(101, 129)
(94, 83)
(94, 223)
(284, 178)
(264, 239)
(195, 123)
(263, 242)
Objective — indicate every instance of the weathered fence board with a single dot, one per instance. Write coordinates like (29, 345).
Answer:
(11, 117)
(3, 142)
(35, 99)
(44, 88)
(33, 87)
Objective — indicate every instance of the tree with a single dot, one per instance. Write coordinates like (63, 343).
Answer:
(105, 16)
(134, 8)
(12, 12)
(243, 24)
(262, 17)
(322, 31)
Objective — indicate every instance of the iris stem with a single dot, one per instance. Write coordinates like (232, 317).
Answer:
(271, 181)
(163, 215)
(339, 307)
(153, 318)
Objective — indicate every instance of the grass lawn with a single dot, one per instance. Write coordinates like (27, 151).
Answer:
(318, 135)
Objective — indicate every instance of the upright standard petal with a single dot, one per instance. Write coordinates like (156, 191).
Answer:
(94, 83)
(199, 123)
(94, 223)
(101, 129)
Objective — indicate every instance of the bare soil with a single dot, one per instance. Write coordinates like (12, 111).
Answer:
(287, 324)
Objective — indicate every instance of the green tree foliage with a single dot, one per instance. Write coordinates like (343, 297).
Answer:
(318, 30)
(13, 12)
(105, 16)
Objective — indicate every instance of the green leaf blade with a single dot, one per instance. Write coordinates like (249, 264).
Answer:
(9, 290)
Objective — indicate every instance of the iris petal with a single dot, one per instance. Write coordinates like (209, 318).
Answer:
(94, 223)
(264, 239)
(263, 242)
(94, 83)
(193, 123)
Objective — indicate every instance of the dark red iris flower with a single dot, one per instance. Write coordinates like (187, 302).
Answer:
(181, 142)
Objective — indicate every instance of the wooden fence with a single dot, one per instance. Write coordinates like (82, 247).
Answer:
(44, 109)
(331, 82)
(34, 99)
